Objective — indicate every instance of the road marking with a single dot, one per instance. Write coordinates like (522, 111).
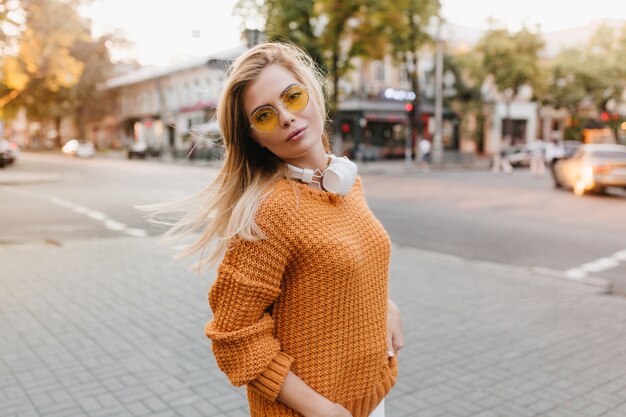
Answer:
(81, 209)
(113, 225)
(136, 232)
(620, 256)
(599, 265)
(576, 274)
(581, 272)
(91, 213)
(96, 215)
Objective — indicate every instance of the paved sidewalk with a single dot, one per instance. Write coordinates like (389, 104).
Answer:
(115, 328)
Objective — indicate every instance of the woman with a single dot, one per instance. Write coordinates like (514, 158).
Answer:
(300, 305)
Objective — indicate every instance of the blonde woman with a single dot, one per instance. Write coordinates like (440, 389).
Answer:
(301, 314)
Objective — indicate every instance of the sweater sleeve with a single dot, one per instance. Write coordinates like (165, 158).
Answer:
(248, 282)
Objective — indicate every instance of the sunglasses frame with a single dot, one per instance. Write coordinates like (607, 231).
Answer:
(282, 103)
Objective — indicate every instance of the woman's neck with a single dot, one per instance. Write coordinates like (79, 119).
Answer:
(315, 161)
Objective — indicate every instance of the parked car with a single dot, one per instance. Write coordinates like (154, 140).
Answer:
(140, 149)
(570, 147)
(79, 148)
(9, 152)
(592, 168)
(517, 155)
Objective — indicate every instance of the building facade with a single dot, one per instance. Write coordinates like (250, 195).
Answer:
(160, 107)
(372, 120)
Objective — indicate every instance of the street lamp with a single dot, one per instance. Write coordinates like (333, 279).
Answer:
(508, 127)
(438, 139)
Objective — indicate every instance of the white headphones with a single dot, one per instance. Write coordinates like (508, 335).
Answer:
(338, 177)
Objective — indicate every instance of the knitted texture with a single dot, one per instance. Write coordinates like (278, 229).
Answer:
(311, 298)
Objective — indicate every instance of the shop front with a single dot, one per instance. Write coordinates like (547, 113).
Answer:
(378, 129)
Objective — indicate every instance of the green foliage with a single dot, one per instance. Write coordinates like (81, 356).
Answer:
(335, 32)
(406, 24)
(597, 71)
(55, 64)
(574, 129)
(512, 59)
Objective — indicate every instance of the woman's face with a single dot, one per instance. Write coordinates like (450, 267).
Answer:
(298, 134)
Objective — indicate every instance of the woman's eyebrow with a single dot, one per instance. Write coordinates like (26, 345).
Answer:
(279, 97)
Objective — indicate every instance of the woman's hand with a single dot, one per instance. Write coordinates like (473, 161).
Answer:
(395, 336)
(296, 394)
(336, 410)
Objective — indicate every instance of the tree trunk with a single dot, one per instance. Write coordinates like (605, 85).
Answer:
(417, 123)
(57, 127)
(80, 117)
(415, 86)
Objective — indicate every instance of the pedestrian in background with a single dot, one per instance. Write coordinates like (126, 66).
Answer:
(301, 313)
(425, 148)
(554, 151)
(537, 158)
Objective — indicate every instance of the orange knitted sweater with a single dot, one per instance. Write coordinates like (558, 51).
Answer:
(310, 298)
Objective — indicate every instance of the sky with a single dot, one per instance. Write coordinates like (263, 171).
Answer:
(165, 31)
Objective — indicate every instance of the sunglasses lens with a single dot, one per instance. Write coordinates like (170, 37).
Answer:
(295, 98)
(265, 119)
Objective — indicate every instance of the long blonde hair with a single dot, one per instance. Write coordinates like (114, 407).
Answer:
(227, 207)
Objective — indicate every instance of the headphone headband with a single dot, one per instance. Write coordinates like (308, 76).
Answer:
(338, 177)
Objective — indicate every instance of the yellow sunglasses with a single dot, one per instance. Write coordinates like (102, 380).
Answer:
(294, 98)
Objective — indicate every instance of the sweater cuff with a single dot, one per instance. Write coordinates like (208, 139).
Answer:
(271, 381)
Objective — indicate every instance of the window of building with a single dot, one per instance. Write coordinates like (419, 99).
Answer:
(404, 73)
(379, 71)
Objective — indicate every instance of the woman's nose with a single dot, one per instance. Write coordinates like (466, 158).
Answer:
(286, 118)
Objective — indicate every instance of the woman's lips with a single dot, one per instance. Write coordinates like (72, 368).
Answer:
(296, 134)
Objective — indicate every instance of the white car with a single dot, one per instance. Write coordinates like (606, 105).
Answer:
(79, 148)
(592, 168)
(9, 151)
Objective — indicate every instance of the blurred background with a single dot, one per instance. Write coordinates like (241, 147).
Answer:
(144, 77)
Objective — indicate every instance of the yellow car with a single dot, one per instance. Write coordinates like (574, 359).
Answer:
(592, 168)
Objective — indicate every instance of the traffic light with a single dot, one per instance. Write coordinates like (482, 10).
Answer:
(410, 113)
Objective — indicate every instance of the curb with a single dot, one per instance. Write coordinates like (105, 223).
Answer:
(402, 169)
(600, 283)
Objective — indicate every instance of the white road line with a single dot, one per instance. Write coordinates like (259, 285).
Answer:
(620, 256)
(93, 214)
(113, 225)
(575, 274)
(136, 232)
(96, 215)
(581, 272)
(599, 265)
(80, 209)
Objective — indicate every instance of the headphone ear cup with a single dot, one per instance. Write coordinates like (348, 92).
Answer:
(351, 169)
(340, 175)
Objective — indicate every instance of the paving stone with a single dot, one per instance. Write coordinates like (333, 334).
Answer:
(481, 341)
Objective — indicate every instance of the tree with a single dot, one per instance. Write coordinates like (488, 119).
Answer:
(55, 65)
(468, 101)
(407, 23)
(293, 22)
(43, 65)
(8, 25)
(332, 32)
(596, 72)
(510, 61)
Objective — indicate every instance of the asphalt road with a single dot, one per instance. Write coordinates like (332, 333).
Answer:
(516, 220)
